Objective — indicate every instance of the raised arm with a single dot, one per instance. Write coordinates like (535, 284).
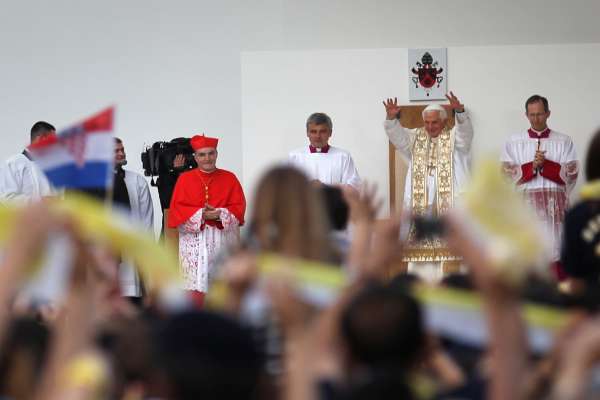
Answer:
(464, 128)
(400, 137)
(506, 327)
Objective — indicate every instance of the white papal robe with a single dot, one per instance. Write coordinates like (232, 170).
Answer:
(22, 180)
(547, 189)
(461, 137)
(336, 167)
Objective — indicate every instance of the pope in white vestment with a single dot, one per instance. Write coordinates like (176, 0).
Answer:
(543, 165)
(322, 162)
(438, 168)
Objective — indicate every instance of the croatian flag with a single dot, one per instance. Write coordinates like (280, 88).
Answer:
(81, 156)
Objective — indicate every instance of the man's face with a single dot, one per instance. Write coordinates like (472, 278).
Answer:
(537, 116)
(434, 124)
(206, 158)
(318, 135)
(120, 157)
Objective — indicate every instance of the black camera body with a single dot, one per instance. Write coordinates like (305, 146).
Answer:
(429, 227)
(158, 159)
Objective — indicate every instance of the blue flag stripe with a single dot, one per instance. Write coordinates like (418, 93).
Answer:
(94, 174)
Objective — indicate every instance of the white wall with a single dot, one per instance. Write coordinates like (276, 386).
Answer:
(173, 67)
(280, 89)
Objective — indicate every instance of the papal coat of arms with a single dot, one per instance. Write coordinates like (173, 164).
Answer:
(427, 74)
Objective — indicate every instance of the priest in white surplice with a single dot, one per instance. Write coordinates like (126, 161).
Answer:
(322, 162)
(21, 179)
(131, 192)
(438, 167)
(544, 166)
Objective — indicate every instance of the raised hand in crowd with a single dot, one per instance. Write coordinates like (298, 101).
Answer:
(72, 346)
(509, 369)
(74, 368)
(576, 360)
(314, 350)
(240, 272)
(32, 227)
(363, 210)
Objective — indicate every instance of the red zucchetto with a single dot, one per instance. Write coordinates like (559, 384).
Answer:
(201, 141)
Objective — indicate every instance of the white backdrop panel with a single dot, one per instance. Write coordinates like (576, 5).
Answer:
(280, 89)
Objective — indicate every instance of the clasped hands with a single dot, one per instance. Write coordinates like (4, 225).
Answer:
(538, 160)
(211, 213)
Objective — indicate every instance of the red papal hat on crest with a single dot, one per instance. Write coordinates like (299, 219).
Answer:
(201, 141)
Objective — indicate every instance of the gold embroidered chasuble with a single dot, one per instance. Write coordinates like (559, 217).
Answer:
(431, 157)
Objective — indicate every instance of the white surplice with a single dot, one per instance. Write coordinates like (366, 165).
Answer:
(22, 180)
(142, 213)
(547, 195)
(336, 167)
(199, 244)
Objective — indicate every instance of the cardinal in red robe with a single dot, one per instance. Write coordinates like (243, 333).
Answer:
(207, 207)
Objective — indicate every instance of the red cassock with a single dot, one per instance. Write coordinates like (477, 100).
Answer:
(224, 191)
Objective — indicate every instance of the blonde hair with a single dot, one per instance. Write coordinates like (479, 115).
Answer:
(289, 216)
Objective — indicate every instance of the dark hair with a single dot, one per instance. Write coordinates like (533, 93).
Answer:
(319, 119)
(128, 343)
(40, 128)
(535, 99)
(405, 281)
(592, 160)
(542, 291)
(381, 385)
(25, 345)
(457, 281)
(118, 140)
(208, 356)
(383, 327)
(335, 206)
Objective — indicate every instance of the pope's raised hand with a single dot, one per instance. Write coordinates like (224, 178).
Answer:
(454, 102)
(392, 109)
